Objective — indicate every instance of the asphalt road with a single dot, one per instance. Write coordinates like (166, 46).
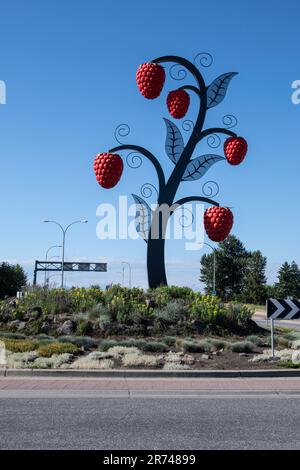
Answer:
(217, 420)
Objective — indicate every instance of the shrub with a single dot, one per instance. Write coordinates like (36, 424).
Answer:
(169, 340)
(97, 312)
(83, 299)
(21, 360)
(154, 346)
(44, 339)
(79, 341)
(83, 327)
(162, 295)
(242, 347)
(9, 335)
(135, 360)
(88, 363)
(20, 346)
(195, 347)
(121, 350)
(171, 313)
(218, 343)
(53, 362)
(106, 344)
(256, 340)
(208, 309)
(56, 348)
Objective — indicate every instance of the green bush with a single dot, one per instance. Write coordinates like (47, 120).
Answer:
(161, 296)
(9, 335)
(79, 341)
(171, 313)
(44, 339)
(106, 344)
(169, 340)
(83, 327)
(196, 347)
(256, 340)
(155, 346)
(242, 347)
(56, 348)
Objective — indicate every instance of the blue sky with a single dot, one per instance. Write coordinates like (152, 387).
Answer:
(69, 67)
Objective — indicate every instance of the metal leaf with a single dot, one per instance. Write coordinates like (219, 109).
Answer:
(217, 90)
(199, 166)
(142, 217)
(174, 141)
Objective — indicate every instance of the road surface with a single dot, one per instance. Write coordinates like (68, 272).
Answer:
(149, 414)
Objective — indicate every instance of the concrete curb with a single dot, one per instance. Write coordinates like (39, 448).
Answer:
(144, 373)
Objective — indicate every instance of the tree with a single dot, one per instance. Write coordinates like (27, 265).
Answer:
(12, 278)
(254, 283)
(152, 225)
(231, 262)
(288, 284)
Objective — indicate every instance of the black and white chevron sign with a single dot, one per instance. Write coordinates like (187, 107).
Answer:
(280, 309)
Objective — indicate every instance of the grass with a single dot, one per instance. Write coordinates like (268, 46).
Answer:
(256, 340)
(48, 350)
(289, 364)
(20, 346)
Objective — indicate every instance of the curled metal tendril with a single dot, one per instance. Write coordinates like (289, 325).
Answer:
(133, 160)
(177, 72)
(229, 121)
(205, 59)
(213, 141)
(210, 189)
(122, 130)
(184, 217)
(148, 189)
(188, 125)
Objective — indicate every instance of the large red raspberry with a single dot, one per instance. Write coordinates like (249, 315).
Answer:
(235, 149)
(150, 79)
(108, 168)
(218, 222)
(178, 102)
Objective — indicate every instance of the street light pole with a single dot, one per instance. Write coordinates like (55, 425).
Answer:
(129, 266)
(50, 248)
(214, 268)
(64, 231)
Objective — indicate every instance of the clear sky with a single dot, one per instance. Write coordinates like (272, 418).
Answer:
(69, 68)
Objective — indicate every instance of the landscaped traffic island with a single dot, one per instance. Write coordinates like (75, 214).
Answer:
(167, 328)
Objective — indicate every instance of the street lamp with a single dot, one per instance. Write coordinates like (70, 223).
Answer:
(214, 272)
(64, 231)
(129, 267)
(50, 248)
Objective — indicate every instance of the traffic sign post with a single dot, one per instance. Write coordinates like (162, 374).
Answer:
(281, 309)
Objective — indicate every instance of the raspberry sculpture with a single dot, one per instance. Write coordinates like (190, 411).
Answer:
(235, 149)
(108, 168)
(178, 102)
(218, 222)
(150, 79)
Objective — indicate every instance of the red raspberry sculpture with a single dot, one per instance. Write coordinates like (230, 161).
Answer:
(218, 222)
(178, 102)
(150, 79)
(235, 149)
(108, 168)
